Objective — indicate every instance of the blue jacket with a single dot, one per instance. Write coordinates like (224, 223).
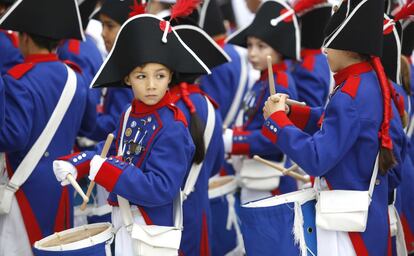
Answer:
(152, 169)
(197, 219)
(32, 91)
(312, 78)
(223, 82)
(343, 151)
(9, 52)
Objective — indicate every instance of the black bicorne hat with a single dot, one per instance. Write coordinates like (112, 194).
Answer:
(356, 26)
(202, 45)
(211, 18)
(313, 22)
(391, 57)
(55, 19)
(408, 38)
(118, 10)
(7, 2)
(147, 39)
(276, 24)
(86, 9)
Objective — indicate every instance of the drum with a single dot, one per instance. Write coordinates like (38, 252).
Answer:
(87, 240)
(284, 224)
(226, 235)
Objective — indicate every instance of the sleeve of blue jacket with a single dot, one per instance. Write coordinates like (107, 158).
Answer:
(319, 152)
(9, 54)
(167, 165)
(2, 102)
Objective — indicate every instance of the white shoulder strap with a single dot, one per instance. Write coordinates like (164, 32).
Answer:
(196, 168)
(371, 184)
(240, 89)
(121, 141)
(32, 158)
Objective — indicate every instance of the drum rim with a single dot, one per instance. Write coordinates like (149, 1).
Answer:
(300, 196)
(102, 237)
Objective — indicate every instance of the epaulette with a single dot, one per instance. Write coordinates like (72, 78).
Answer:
(178, 114)
(309, 62)
(351, 86)
(20, 70)
(74, 46)
(196, 89)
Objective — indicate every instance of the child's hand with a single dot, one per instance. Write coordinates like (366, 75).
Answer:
(275, 103)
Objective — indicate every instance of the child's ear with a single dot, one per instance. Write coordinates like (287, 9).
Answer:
(171, 75)
(126, 80)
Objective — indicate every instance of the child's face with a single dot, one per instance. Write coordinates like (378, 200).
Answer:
(110, 29)
(257, 52)
(149, 82)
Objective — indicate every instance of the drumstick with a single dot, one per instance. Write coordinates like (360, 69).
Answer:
(272, 83)
(288, 172)
(75, 184)
(104, 152)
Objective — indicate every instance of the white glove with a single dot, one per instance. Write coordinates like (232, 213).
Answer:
(95, 165)
(228, 140)
(62, 169)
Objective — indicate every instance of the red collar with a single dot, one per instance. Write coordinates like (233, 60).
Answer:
(35, 58)
(221, 41)
(141, 108)
(310, 52)
(354, 69)
(276, 68)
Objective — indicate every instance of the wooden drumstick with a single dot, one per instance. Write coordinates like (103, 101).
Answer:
(78, 189)
(288, 172)
(272, 83)
(104, 152)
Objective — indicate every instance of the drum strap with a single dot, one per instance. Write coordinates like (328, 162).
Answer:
(32, 158)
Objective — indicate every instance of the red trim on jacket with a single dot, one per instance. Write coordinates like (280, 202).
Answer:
(351, 86)
(281, 119)
(269, 134)
(204, 243)
(240, 148)
(63, 220)
(299, 115)
(308, 58)
(12, 37)
(358, 243)
(408, 233)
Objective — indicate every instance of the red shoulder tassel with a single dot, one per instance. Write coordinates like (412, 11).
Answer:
(406, 11)
(384, 134)
(186, 97)
(137, 9)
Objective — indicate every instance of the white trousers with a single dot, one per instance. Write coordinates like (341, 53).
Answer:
(334, 243)
(14, 240)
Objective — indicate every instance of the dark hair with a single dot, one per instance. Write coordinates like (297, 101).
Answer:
(196, 125)
(44, 42)
(406, 75)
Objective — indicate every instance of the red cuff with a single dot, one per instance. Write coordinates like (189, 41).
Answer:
(240, 149)
(299, 115)
(82, 169)
(281, 119)
(269, 134)
(108, 176)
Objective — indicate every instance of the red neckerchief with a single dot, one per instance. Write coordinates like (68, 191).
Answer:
(276, 68)
(36, 58)
(355, 69)
(309, 52)
(140, 108)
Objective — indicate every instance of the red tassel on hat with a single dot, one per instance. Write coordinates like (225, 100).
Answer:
(186, 97)
(183, 8)
(406, 11)
(137, 9)
(302, 5)
(384, 134)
